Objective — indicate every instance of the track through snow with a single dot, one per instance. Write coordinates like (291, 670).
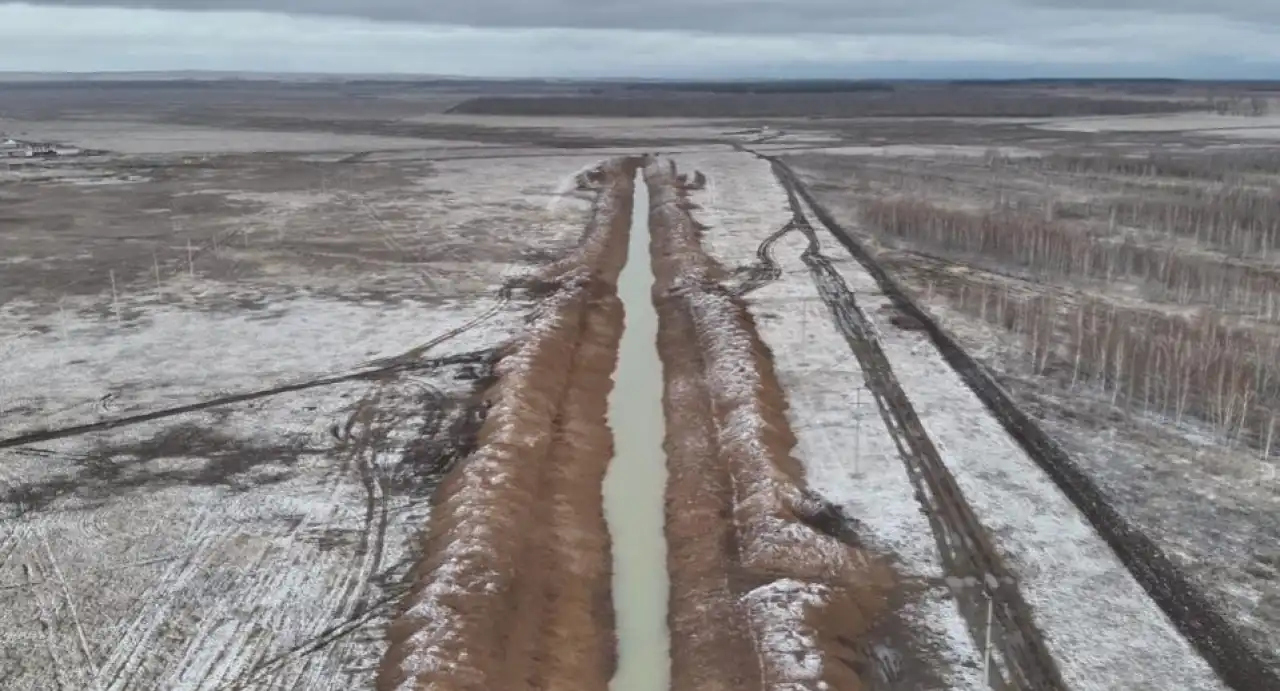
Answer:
(1099, 625)
(848, 455)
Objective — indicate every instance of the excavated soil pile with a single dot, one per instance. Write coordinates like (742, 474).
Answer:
(764, 593)
(514, 588)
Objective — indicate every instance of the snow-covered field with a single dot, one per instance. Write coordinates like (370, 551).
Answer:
(919, 151)
(1239, 126)
(261, 544)
(1099, 624)
(128, 137)
(847, 453)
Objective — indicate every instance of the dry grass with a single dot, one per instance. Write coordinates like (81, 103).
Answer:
(770, 566)
(514, 589)
(1212, 167)
(577, 634)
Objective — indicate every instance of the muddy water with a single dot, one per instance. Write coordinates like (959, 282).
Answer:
(635, 483)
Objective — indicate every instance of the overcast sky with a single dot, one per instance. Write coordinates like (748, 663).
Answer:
(860, 38)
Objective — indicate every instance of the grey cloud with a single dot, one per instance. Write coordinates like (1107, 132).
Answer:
(716, 16)
(84, 38)
(1242, 10)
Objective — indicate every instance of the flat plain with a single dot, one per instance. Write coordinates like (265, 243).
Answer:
(967, 386)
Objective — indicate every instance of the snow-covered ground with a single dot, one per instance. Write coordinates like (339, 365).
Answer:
(1100, 625)
(150, 138)
(258, 545)
(1241, 126)
(211, 549)
(847, 453)
(932, 150)
(79, 367)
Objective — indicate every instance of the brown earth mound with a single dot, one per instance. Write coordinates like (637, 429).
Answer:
(514, 590)
(760, 597)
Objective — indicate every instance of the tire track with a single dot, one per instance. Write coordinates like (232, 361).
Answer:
(157, 601)
(71, 608)
(48, 624)
(977, 574)
(1213, 634)
(473, 357)
(766, 269)
(366, 438)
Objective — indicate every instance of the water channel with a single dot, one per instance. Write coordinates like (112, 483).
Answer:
(635, 485)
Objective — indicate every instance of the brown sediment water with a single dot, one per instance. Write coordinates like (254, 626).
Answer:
(635, 482)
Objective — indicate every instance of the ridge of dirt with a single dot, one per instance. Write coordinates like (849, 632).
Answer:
(748, 542)
(514, 587)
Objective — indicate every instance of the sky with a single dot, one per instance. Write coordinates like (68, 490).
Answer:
(651, 38)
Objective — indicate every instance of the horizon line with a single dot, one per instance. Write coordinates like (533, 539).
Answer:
(268, 75)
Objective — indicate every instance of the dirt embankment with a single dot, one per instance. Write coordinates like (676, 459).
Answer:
(766, 591)
(514, 590)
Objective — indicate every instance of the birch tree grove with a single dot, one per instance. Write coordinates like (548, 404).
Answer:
(1138, 360)
(1000, 239)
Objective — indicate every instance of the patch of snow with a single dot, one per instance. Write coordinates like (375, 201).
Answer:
(1101, 626)
(778, 612)
(931, 151)
(79, 366)
(1263, 127)
(132, 137)
(848, 455)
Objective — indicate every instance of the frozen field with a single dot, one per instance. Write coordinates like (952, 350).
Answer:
(1068, 574)
(307, 391)
(259, 543)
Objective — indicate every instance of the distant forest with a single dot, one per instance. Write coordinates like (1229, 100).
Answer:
(942, 101)
(796, 86)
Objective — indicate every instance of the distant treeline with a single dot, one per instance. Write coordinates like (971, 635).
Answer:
(940, 102)
(791, 86)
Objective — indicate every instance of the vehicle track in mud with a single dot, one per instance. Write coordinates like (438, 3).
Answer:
(383, 368)
(1236, 661)
(976, 573)
(766, 269)
(446, 433)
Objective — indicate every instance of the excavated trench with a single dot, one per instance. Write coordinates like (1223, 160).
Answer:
(514, 587)
(637, 476)
(645, 530)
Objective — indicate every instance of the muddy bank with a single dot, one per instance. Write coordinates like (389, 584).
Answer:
(766, 592)
(514, 588)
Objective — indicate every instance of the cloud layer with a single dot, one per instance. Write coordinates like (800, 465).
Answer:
(724, 16)
(580, 38)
